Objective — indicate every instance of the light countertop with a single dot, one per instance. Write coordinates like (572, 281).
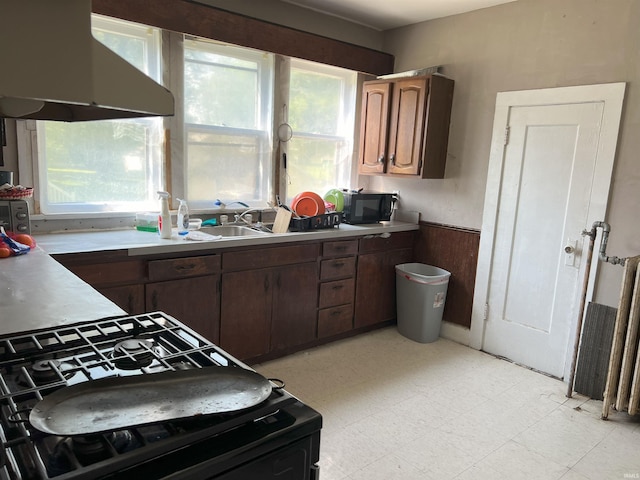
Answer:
(36, 292)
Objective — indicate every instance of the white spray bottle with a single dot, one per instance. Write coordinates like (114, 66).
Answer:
(164, 219)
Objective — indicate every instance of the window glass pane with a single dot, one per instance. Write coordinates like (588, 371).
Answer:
(316, 102)
(112, 167)
(218, 95)
(131, 48)
(226, 166)
(318, 165)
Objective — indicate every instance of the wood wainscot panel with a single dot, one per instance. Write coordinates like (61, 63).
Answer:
(455, 249)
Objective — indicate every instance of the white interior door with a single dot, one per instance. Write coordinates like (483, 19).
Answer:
(546, 183)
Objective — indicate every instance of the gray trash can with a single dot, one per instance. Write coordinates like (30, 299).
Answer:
(421, 291)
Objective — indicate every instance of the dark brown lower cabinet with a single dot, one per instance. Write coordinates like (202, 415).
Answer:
(194, 301)
(245, 313)
(268, 310)
(376, 281)
(130, 298)
(293, 320)
(257, 302)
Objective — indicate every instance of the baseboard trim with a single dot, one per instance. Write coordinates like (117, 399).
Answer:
(456, 333)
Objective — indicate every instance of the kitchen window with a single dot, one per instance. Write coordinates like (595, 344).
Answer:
(221, 139)
(228, 98)
(321, 114)
(107, 165)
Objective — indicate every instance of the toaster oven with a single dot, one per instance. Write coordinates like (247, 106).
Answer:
(14, 216)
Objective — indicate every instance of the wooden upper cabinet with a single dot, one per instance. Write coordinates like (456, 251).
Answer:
(373, 128)
(405, 126)
(405, 131)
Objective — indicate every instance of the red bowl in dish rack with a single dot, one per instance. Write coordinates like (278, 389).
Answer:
(308, 204)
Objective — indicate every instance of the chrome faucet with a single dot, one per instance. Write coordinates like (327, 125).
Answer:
(242, 217)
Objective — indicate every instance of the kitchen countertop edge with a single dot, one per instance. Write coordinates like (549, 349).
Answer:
(145, 243)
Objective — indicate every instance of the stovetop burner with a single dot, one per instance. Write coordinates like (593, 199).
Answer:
(35, 364)
(47, 371)
(133, 353)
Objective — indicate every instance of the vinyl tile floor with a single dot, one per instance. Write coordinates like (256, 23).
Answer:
(395, 409)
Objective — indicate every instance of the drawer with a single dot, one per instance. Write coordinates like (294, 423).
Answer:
(337, 268)
(396, 241)
(336, 293)
(335, 320)
(270, 257)
(183, 267)
(344, 247)
(111, 273)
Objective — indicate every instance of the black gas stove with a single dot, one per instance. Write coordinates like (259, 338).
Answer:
(277, 438)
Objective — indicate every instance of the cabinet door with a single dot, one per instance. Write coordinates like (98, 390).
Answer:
(128, 297)
(407, 126)
(373, 127)
(193, 301)
(294, 311)
(375, 286)
(245, 317)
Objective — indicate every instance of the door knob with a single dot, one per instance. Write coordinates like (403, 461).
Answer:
(570, 252)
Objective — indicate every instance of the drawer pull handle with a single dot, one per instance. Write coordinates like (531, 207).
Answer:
(338, 264)
(191, 266)
(334, 313)
(338, 287)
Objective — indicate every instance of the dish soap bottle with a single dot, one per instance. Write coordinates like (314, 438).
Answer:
(164, 219)
(183, 217)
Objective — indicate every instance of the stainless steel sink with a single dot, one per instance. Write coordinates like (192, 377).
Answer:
(232, 231)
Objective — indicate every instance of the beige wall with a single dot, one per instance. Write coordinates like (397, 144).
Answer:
(517, 46)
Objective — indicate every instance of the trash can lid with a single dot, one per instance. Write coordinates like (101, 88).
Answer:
(421, 273)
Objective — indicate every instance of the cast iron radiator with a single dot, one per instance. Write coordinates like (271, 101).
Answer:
(622, 390)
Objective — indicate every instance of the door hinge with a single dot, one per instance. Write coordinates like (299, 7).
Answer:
(507, 130)
(486, 312)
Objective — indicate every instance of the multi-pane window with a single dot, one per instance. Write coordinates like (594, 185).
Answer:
(222, 149)
(228, 116)
(109, 165)
(321, 111)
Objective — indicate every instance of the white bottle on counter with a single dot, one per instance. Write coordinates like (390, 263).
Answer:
(164, 219)
(183, 217)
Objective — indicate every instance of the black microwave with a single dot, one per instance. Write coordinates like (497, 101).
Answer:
(367, 207)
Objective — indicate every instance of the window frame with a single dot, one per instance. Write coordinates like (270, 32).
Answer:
(263, 132)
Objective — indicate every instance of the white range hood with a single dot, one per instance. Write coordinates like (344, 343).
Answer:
(52, 68)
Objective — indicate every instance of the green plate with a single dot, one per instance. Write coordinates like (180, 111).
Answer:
(336, 197)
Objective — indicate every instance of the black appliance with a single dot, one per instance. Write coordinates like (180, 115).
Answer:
(278, 438)
(367, 207)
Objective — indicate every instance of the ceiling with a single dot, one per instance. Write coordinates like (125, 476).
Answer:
(383, 15)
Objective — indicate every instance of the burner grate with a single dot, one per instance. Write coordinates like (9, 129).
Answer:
(35, 364)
